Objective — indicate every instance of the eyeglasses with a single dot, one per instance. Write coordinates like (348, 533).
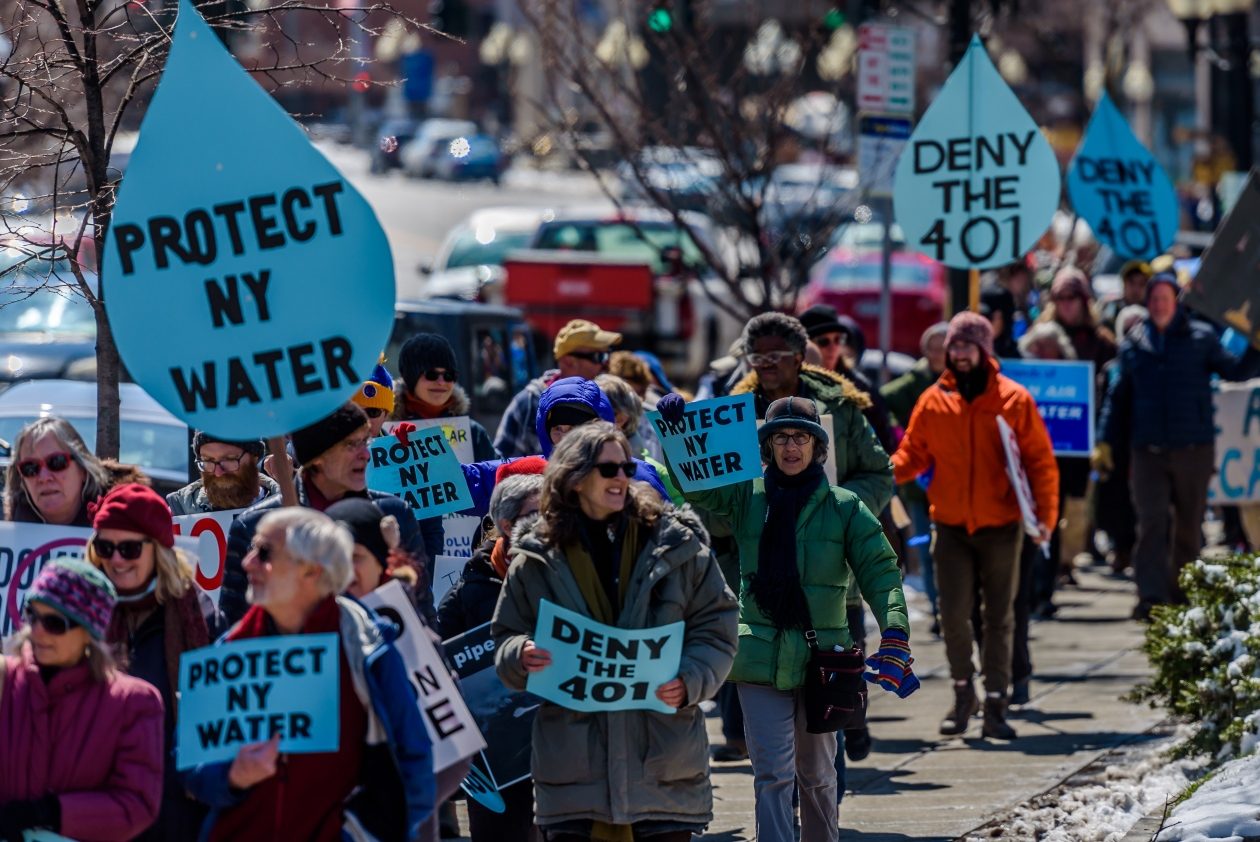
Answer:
(263, 551)
(355, 445)
(798, 439)
(436, 374)
(374, 412)
(828, 341)
(608, 470)
(55, 462)
(129, 550)
(772, 358)
(54, 624)
(228, 465)
(600, 357)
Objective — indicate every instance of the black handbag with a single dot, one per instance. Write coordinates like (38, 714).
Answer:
(835, 692)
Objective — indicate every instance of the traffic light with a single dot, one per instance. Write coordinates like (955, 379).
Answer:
(833, 19)
(660, 18)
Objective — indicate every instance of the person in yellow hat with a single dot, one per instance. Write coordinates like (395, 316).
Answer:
(376, 396)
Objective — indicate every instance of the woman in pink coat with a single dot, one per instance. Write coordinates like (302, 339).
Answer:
(80, 743)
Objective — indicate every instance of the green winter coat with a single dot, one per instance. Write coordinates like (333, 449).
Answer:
(835, 532)
(627, 766)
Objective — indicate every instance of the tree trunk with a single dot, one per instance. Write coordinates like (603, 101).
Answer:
(107, 374)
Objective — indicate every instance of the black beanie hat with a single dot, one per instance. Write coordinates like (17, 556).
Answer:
(310, 442)
(251, 446)
(820, 319)
(363, 519)
(570, 415)
(424, 351)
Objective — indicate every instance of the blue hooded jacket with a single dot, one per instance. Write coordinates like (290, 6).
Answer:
(573, 390)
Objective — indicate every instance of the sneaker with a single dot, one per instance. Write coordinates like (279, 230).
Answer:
(1142, 611)
(995, 724)
(966, 705)
(857, 744)
(732, 752)
(1019, 692)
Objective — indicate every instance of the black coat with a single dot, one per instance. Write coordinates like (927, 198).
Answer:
(471, 601)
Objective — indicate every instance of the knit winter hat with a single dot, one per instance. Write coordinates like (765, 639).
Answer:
(971, 327)
(1162, 278)
(135, 508)
(252, 446)
(363, 519)
(794, 413)
(570, 415)
(377, 392)
(79, 591)
(424, 351)
(1071, 281)
(820, 319)
(311, 442)
(520, 467)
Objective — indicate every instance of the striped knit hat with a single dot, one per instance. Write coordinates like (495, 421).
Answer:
(79, 591)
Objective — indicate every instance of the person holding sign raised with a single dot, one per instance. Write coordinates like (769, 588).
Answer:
(607, 549)
(334, 456)
(230, 477)
(800, 541)
(82, 741)
(381, 777)
(430, 389)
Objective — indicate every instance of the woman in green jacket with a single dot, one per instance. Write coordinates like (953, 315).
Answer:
(797, 538)
(606, 548)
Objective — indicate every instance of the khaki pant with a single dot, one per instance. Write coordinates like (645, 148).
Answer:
(990, 558)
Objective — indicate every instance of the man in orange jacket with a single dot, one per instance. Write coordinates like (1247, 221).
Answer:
(978, 527)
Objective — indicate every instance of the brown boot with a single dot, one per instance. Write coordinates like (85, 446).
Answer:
(965, 706)
(995, 725)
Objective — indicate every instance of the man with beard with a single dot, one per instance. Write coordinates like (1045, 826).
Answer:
(977, 525)
(230, 478)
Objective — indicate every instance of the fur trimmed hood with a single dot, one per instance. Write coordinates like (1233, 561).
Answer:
(828, 385)
(460, 404)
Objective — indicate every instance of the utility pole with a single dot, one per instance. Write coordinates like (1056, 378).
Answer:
(959, 38)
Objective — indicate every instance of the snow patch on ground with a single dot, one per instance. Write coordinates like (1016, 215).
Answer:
(1227, 807)
(1103, 802)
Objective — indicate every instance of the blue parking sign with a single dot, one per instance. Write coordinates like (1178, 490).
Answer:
(1064, 392)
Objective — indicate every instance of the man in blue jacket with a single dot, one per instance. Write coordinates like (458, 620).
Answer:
(1160, 406)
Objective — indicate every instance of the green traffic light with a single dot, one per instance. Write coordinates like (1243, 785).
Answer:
(834, 19)
(660, 20)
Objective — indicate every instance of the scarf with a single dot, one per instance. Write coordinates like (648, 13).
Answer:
(183, 628)
(417, 408)
(593, 559)
(499, 559)
(776, 584)
(972, 384)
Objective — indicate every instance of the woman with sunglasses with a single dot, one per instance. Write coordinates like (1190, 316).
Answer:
(160, 614)
(607, 548)
(430, 389)
(799, 537)
(80, 742)
(54, 477)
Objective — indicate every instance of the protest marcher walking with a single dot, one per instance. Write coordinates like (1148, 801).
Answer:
(230, 477)
(1113, 499)
(381, 776)
(799, 538)
(998, 306)
(1133, 275)
(430, 389)
(53, 476)
(607, 549)
(842, 343)
(160, 614)
(581, 349)
(333, 453)
(1159, 407)
(376, 396)
(977, 521)
(82, 741)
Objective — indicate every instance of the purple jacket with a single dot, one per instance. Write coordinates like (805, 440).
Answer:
(97, 746)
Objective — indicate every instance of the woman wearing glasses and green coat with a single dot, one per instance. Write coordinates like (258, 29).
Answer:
(430, 389)
(608, 548)
(160, 614)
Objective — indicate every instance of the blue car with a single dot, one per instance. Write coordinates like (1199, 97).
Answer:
(471, 158)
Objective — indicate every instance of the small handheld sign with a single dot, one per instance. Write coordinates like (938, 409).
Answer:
(1119, 189)
(978, 183)
(423, 472)
(241, 234)
(1064, 392)
(595, 667)
(714, 445)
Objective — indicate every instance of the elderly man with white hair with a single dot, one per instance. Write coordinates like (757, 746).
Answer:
(298, 562)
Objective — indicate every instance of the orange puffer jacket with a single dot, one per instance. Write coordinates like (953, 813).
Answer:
(960, 441)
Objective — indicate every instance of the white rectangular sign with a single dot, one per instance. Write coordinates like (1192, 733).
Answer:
(885, 68)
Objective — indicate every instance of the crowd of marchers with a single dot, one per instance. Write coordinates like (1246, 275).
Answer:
(772, 577)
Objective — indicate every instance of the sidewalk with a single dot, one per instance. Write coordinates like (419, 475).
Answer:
(919, 785)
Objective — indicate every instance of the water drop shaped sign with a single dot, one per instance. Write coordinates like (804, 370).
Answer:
(250, 288)
(978, 184)
(1118, 188)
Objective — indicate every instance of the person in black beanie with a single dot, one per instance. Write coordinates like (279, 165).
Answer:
(429, 388)
(230, 477)
(998, 306)
(333, 454)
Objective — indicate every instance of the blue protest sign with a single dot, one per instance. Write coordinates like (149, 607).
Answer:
(424, 472)
(978, 184)
(248, 691)
(1118, 188)
(597, 668)
(250, 287)
(714, 445)
(1064, 392)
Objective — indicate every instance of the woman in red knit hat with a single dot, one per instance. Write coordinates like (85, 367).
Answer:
(160, 614)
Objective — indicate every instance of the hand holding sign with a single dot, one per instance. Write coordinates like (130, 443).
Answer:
(254, 763)
(673, 693)
(533, 658)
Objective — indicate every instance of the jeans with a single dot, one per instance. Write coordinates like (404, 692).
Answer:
(921, 525)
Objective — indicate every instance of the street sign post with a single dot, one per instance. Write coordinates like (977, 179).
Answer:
(885, 68)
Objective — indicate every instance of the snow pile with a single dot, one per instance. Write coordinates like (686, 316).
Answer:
(1227, 807)
(1103, 802)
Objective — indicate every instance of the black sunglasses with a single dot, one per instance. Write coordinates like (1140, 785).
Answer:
(374, 412)
(264, 552)
(608, 470)
(54, 624)
(56, 462)
(129, 550)
(600, 357)
(435, 375)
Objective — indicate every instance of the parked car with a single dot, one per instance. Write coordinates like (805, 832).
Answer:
(149, 436)
(688, 176)
(494, 351)
(850, 281)
(392, 136)
(47, 328)
(480, 160)
(419, 156)
(469, 263)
